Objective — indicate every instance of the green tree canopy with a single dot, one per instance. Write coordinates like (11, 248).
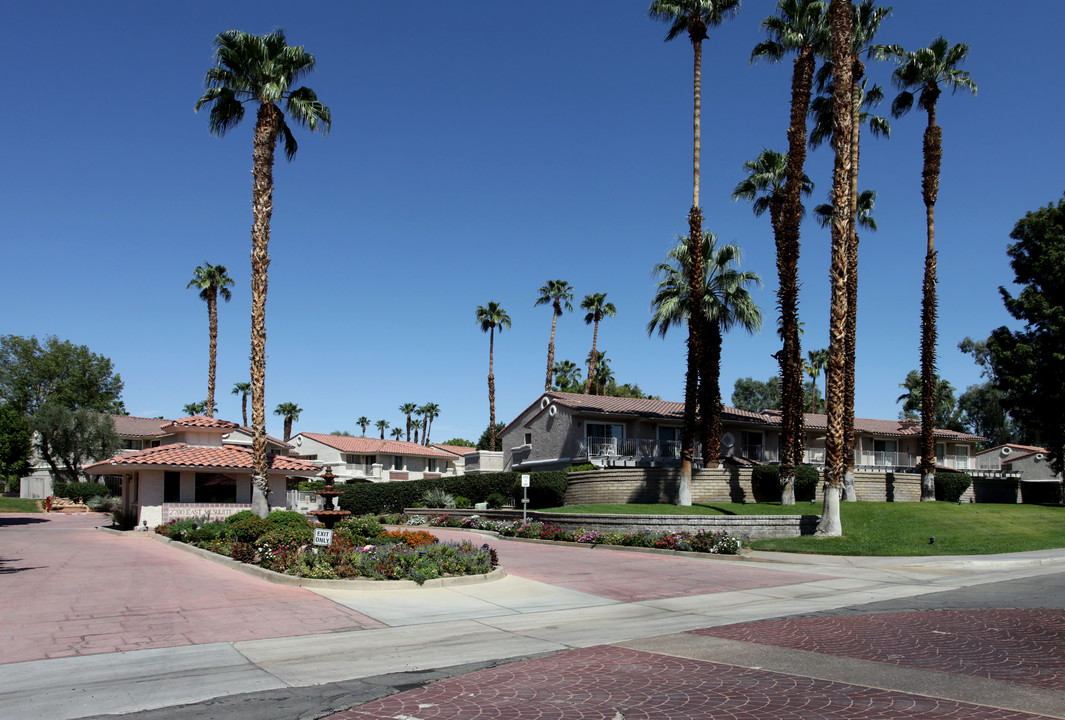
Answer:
(68, 439)
(72, 376)
(1029, 364)
(947, 416)
(755, 396)
(16, 445)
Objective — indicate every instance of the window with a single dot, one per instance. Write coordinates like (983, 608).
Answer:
(350, 459)
(171, 486)
(669, 442)
(397, 462)
(131, 444)
(941, 453)
(430, 465)
(885, 453)
(961, 457)
(528, 438)
(215, 488)
(604, 439)
(751, 444)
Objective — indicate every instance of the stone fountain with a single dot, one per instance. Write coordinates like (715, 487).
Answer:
(330, 515)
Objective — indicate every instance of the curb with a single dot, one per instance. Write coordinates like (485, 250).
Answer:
(317, 583)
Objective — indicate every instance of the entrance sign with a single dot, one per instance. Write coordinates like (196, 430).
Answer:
(323, 537)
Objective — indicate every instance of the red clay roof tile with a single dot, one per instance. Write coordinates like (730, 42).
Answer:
(228, 457)
(376, 446)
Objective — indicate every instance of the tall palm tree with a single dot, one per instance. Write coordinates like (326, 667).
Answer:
(867, 20)
(567, 376)
(382, 425)
(408, 409)
(416, 424)
(926, 72)
(195, 408)
(694, 17)
(429, 412)
(727, 303)
(490, 317)
(800, 27)
(765, 187)
(557, 294)
(604, 375)
(261, 70)
(816, 362)
(863, 218)
(242, 389)
(841, 19)
(397, 433)
(598, 308)
(211, 281)
(363, 422)
(291, 413)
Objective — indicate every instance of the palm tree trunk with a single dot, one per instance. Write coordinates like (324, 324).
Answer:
(933, 155)
(244, 407)
(551, 354)
(841, 18)
(491, 391)
(710, 396)
(696, 282)
(852, 289)
(592, 358)
(266, 128)
(212, 322)
(288, 428)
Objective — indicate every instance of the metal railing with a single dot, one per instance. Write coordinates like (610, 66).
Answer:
(633, 447)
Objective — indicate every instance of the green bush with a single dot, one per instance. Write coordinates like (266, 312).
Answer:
(102, 503)
(580, 468)
(310, 485)
(546, 489)
(496, 500)
(950, 486)
(241, 516)
(765, 483)
(359, 529)
(83, 490)
(248, 529)
(463, 503)
(124, 519)
(438, 498)
(288, 518)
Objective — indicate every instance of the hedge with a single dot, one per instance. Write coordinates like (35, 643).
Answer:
(765, 483)
(84, 490)
(547, 489)
(950, 486)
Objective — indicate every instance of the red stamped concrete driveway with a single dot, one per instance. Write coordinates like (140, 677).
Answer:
(70, 589)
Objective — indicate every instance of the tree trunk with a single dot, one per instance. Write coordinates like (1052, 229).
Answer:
(266, 129)
(933, 153)
(288, 428)
(710, 396)
(852, 289)
(691, 384)
(841, 19)
(592, 357)
(212, 322)
(491, 390)
(550, 354)
(244, 408)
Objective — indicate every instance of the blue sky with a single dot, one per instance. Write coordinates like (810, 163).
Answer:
(478, 149)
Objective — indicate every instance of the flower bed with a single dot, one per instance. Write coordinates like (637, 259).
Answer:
(361, 548)
(705, 541)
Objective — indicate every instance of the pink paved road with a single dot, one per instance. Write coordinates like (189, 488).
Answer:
(70, 589)
(629, 576)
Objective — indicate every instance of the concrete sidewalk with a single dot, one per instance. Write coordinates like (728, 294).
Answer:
(565, 605)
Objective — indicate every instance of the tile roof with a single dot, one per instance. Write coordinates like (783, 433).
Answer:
(202, 422)
(227, 457)
(661, 409)
(130, 426)
(455, 449)
(1028, 449)
(375, 446)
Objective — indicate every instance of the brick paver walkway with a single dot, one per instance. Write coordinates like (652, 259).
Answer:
(611, 683)
(1026, 647)
(80, 591)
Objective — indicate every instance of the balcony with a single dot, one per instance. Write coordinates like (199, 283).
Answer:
(613, 452)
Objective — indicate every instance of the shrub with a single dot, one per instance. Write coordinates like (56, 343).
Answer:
(765, 482)
(580, 468)
(462, 503)
(359, 529)
(248, 529)
(411, 538)
(84, 490)
(496, 500)
(124, 519)
(101, 503)
(438, 498)
(288, 518)
(280, 548)
(310, 485)
(546, 489)
(242, 552)
(241, 516)
(950, 486)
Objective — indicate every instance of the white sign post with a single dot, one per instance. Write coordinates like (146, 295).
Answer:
(323, 537)
(524, 496)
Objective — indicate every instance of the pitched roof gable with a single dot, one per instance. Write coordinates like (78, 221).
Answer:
(227, 457)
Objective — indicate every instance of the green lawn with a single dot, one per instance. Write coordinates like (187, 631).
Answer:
(18, 505)
(893, 528)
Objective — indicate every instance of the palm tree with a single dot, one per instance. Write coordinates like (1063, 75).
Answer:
(841, 18)
(863, 218)
(211, 281)
(363, 422)
(429, 412)
(242, 389)
(408, 409)
(765, 187)
(382, 425)
(694, 17)
(816, 362)
(557, 294)
(397, 433)
(604, 376)
(597, 308)
(291, 412)
(261, 70)
(567, 376)
(926, 72)
(195, 408)
(489, 317)
(416, 425)
(727, 303)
